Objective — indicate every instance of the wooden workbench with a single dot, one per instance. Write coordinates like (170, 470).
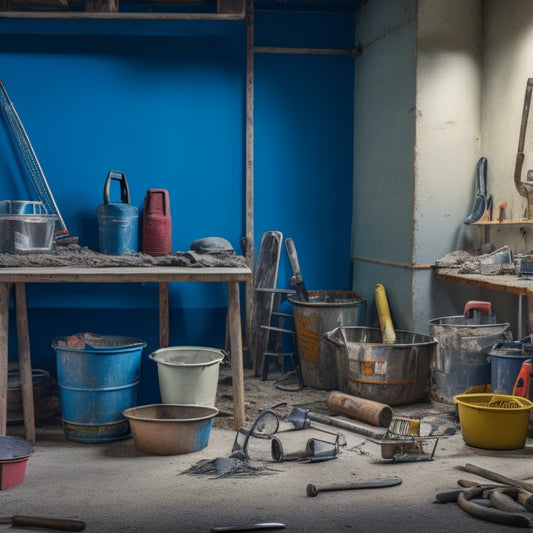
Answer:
(20, 276)
(522, 286)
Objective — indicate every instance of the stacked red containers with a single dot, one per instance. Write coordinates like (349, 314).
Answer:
(157, 224)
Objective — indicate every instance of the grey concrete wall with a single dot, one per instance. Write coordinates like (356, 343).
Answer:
(382, 231)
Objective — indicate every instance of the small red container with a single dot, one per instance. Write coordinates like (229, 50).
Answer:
(157, 224)
(12, 472)
(14, 455)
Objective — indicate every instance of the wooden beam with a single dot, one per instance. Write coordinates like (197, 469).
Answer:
(248, 251)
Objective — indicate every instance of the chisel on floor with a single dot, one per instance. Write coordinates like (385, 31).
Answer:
(63, 524)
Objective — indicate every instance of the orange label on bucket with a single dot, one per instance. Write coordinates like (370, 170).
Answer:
(367, 367)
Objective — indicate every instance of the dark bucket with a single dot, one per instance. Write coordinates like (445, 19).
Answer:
(325, 311)
(96, 384)
(460, 357)
(506, 360)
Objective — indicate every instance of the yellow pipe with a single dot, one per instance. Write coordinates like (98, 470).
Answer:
(385, 320)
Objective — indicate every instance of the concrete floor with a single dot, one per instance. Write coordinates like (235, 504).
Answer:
(113, 487)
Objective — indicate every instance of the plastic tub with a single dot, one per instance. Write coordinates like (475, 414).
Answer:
(167, 429)
(188, 374)
(14, 455)
(494, 421)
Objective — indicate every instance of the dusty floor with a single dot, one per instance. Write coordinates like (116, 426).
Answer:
(114, 487)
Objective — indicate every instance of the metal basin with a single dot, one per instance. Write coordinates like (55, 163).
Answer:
(170, 429)
(394, 374)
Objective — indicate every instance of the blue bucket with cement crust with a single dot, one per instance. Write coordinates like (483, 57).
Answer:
(97, 382)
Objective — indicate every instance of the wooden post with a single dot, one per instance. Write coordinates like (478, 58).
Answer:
(26, 380)
(249, 248)
(4, 330)
(237, 371)
(164, 327)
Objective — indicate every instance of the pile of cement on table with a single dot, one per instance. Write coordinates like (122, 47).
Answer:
(74, 255)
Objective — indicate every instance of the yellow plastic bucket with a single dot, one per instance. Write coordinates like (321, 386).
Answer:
(494, 421)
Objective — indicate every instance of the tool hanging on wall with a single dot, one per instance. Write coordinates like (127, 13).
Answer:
(27, 153)
(524, 189)
(482, 204)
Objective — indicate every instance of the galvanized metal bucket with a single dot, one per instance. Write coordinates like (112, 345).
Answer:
(324, 311)
(118, 222)
(461, 361)
(393, 374)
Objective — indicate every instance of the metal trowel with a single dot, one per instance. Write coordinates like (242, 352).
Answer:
(480, 203)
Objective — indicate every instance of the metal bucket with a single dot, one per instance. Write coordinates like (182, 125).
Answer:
(461, 360)
(325, 311)
(118, 222)
(96, 384)
(393, 374)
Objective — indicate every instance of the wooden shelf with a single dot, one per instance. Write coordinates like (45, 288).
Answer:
(514, 222)
(111, 9)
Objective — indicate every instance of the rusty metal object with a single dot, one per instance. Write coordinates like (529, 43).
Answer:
(524, 189)
(375, 413)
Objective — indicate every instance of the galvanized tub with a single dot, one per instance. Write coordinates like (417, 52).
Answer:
(393, 374)
(324, 311)
(461, 361)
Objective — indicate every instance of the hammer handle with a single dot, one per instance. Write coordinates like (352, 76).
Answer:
(494, 476)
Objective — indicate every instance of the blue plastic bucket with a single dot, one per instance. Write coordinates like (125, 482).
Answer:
(506, 360)
(96, 384)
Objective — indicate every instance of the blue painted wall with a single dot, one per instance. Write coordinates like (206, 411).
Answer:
(164, 102)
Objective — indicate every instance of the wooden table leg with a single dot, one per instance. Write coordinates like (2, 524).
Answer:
(235, 335)
(4, 334)
(163, 315)
(26, 380)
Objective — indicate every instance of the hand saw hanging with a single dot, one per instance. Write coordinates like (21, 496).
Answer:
(26, 152)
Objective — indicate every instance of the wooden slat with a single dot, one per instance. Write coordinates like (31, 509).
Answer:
(122, 274)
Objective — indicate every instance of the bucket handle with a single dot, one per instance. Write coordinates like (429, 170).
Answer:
(477, 305)
(124, 189)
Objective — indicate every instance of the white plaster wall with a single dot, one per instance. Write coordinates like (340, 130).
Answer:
(448, 143)
(507, 64)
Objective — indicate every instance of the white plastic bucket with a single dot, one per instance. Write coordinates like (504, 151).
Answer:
(188, 374)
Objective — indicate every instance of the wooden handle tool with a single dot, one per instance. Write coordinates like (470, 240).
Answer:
(63, 524)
